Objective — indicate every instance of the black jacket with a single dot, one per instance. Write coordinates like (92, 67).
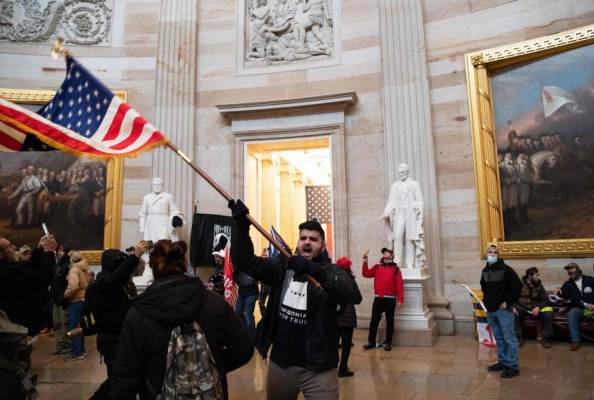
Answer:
(322, 329)
(60, 281)
(114, 292)
(499, 283)
(570, 291)
(22, 288)
(347, 315)
(142, 346)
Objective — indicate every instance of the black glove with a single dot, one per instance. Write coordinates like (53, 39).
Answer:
(238, 209)
(302, 265)
(176, 221)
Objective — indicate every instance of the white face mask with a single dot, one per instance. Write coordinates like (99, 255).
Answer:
(491, 259)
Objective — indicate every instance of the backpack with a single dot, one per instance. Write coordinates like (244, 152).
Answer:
(191, 372)
(87, 319)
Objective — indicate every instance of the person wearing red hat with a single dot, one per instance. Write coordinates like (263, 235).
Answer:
(389, 291)
(347, 321)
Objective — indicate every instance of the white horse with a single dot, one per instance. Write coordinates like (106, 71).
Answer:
(540, 161)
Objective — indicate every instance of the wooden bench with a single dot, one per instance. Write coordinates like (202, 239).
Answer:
(560, 327)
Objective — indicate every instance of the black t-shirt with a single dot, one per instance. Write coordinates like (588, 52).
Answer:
(289, 341)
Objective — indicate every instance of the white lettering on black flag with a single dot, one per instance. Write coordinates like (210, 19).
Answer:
(318, 204)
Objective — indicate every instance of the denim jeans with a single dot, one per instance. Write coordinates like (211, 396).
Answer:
(573, 322)
(502, 324)
(245, 308)
(77, 343)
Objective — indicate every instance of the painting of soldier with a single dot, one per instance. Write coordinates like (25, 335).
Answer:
(64, 192)
(544, 119)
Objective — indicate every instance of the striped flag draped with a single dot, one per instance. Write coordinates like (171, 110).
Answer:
(231, 290)
(84, 119)
(483, 328)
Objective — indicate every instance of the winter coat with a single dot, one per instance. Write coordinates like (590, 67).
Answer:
(500, 283)
(532, 295)
(78, 281)
(247, 286)
(388, 279)
(347, 315)
(175, 300)
(21, 287)
(60, 281)
(570, 291)
(112, 298)
(321, 341)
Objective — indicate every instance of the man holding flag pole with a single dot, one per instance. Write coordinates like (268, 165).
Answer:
(86, 119)
(300, 322)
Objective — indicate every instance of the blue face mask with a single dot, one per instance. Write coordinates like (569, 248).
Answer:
(491, 259)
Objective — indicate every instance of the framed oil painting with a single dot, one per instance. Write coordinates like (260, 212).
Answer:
(77, 198)
(532, 120)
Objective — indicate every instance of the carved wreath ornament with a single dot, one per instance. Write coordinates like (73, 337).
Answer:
(86, 22)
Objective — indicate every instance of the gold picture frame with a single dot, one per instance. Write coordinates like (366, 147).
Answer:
(481, 67)
(114, 175)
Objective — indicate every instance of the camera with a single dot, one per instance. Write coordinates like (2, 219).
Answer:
(150, 244)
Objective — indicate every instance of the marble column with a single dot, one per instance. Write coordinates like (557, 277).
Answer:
(299, 211)
(175, 101)
(268, 183)
(287, 204)
(174, 109)
(408, 133)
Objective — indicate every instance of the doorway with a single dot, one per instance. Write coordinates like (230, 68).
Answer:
(287, 182)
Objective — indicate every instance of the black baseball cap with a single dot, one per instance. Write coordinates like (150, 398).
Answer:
(384, 249)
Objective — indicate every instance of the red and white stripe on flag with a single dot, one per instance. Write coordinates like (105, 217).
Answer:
(231, 290)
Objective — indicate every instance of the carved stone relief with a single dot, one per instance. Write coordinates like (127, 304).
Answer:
(85, 22)
(285, 31)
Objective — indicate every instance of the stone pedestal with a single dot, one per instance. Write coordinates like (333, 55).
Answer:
(414, 324)
(141, 282)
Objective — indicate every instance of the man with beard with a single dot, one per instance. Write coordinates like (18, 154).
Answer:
(501, 287)
(300, 322)
(579, 290)
(533, 301)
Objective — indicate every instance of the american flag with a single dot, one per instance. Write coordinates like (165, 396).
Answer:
(317, 202)
(318, 207)
(16, 125)
(273, 252)
(231, 290)
(98, 123)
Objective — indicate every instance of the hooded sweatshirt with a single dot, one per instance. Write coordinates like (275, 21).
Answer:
(77, 281)
(169, 302)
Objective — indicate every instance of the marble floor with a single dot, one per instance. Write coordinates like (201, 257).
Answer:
(453, 369)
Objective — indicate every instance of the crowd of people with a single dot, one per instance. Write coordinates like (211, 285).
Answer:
(306, 327)
(509, 300)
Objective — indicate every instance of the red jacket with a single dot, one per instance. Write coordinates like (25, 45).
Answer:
(387, 282)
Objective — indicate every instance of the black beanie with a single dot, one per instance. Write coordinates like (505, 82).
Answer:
(109, 258)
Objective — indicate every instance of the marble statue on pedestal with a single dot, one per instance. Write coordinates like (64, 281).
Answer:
(159, 219)
(404, 211)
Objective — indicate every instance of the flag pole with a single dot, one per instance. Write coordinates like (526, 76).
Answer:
(228, 197)
(58, 49)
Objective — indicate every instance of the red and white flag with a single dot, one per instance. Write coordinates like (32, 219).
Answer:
(84, 119)
(231, 290)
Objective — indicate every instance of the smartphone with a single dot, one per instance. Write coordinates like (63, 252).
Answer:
(45, 230)
(150, 244)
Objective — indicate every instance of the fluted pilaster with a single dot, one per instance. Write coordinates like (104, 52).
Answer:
(175, 99)
(407, 117)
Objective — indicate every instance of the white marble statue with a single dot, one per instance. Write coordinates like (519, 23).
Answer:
(159, 219)
(404, 210)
